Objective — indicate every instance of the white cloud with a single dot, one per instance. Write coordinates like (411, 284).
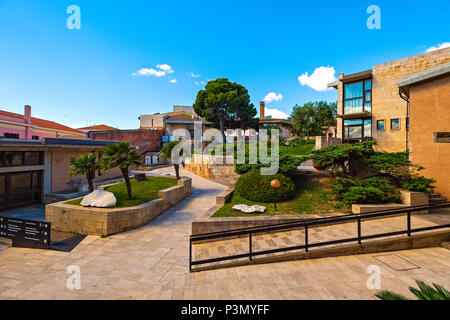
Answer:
(275, 113)
(164, 69)
(272, 96)
(200, 83)
(439, 46)
(319, 79)
(173, 80)
(193, 75)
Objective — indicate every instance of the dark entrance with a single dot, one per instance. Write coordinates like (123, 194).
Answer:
(20, 189)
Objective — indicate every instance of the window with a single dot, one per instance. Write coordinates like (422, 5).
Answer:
(442, 137)
(395, 124)
(35, 137)
(357, 129)
(11, 135)
(21, 158)
(380, 125)
(358, 97)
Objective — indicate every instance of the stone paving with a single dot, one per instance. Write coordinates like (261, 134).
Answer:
(152, 263)
(292, 238)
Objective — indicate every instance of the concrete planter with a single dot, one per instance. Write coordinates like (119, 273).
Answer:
(101, 221)
(409, 198)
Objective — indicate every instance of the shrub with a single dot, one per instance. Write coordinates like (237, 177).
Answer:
(363, 195)
(287, 164)
(342, 189)
(255, 187)
(419, 183)
(342, 185)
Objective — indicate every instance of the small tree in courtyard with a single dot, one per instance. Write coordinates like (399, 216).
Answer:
(85, 165)
(166, 153)
(123, 156)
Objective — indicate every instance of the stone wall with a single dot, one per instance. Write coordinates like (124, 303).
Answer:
(103, 221)
(208, 168)
(387, 103)
(430, 113)
(325, 141)
(409, 198)
(145, 140)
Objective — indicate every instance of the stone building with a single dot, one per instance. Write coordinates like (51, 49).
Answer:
(31, 170)
(284, 125)
(182, 117)
(369, 105)
(428, 95)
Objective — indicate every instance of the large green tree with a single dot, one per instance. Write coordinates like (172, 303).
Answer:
(123, 156)
(309, 119)
(225, 103)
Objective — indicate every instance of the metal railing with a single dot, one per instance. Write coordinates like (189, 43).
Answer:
(306, 224)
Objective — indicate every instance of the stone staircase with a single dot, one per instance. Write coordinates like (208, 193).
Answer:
(436, 198)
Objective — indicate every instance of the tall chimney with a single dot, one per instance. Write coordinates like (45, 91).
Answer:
(27, 114)
(262, 105)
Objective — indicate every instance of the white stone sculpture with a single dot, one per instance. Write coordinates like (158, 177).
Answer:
(99, 199)
(249, 209)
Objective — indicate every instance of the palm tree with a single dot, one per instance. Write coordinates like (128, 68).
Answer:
(166, 153)
(123, 156)
(85, 165)
(425, 292)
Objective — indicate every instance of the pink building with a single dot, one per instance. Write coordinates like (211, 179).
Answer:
(18, 126)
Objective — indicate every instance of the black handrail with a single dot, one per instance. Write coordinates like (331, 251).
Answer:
(314, 222)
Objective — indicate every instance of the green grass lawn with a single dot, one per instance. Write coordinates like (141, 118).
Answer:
(313, 196)
(301, 150)
(143, 191)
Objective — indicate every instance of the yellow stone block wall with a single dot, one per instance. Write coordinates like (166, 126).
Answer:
(387, 103)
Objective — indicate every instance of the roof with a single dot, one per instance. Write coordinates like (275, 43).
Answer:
(425, 75)
(55, 143)
(351, 77)
(183, 117)
(99, 127)
(41, 122)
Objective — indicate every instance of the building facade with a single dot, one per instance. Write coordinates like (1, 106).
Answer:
(284, 125)
(428, 94)
(369, 106)
(31, 170)
(24, 126)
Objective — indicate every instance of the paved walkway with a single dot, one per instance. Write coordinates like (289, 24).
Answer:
(152, 263)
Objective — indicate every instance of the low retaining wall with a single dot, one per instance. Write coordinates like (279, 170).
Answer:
(409, 198)
(208, 168)
(103, 221)
(419, 241)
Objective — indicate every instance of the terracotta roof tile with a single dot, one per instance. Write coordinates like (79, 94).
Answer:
(41, 122)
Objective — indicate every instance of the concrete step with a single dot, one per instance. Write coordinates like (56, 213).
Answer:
(437, 200)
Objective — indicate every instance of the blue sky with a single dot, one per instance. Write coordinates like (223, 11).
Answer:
(85, 77)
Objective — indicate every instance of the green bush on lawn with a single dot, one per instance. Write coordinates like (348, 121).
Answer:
(371, 190)
(256, 187)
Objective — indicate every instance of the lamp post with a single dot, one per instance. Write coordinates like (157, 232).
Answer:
(275, 184)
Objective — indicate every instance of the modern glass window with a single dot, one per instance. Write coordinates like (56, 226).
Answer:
(20, 189)
(357, 129)
(21, 158)
(380, 125)
(358, 97)
(395, 124)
